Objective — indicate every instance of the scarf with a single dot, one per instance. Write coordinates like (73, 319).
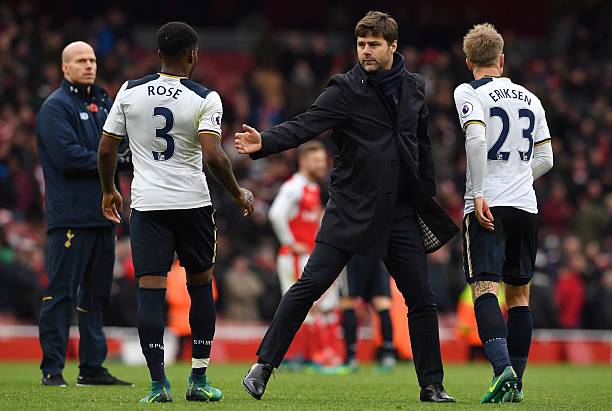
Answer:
(390, 80)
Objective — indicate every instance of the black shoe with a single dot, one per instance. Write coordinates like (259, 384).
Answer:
(53, 380)
(435, 393)
(103, 378)
(256, 379)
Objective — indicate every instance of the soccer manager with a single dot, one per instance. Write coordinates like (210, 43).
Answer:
(380, 196)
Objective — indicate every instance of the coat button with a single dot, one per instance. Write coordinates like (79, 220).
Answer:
(393, 162)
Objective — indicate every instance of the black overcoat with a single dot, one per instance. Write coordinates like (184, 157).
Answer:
(373, 145)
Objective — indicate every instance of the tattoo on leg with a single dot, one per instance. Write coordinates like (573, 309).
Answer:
(482, 287)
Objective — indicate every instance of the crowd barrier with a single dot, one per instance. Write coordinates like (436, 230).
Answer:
(238, 343)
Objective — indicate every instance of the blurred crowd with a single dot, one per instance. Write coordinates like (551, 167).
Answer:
(570, 69)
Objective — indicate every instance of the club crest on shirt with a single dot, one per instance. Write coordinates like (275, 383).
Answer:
(466, 109)
(216, 118)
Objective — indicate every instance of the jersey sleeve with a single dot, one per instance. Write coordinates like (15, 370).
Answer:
(469, 106)
(542, 133)
(114, 126)
(283, 208)
(211, 115)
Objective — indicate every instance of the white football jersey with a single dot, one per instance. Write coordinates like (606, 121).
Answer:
(515, 122)
(162, 116)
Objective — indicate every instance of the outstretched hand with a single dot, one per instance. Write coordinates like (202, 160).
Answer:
(248, 141)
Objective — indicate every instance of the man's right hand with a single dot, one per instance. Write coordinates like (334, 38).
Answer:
(246, 201)
(249, 141)
(112, 203)
(483, 213)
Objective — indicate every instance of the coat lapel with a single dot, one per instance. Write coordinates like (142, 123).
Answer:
(437, 228)
(408, 96)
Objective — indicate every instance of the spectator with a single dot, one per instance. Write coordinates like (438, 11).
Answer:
(605, 301)
(569, 69)
(557, 211)
(569, 296)
(242, 287)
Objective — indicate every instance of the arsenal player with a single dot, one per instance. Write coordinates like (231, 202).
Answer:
(295, 216)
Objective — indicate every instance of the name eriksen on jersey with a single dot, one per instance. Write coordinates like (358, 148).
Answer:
(163, 91)
(507, 93)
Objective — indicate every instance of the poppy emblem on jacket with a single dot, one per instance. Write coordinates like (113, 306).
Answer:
(466, 109)
(93, 107)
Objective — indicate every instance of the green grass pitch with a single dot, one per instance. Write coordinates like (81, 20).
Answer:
(546, 387)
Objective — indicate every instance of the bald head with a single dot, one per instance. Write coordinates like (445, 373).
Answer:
(79, 63)
(75, 48)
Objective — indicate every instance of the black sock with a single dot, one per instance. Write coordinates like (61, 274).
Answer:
(520, 326)
(349, 326)
(151, 329)
(492, 331)
(386, 331)
(202, 316)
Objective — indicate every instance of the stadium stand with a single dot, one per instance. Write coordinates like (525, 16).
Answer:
(569, 67)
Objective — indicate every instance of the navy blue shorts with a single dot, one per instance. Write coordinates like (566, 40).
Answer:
(505, 254)
(156, 235)
(366, 277)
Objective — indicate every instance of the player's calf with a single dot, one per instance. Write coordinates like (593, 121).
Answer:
(151, 330)
(491, 325)
(520, 327)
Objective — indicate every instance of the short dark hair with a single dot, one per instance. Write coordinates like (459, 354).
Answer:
(309, 147)
(176, 38)
(377, 23)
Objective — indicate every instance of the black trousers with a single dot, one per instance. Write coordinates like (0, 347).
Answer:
(80, 268)
(405, 261)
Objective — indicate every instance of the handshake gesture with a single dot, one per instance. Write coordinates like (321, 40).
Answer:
(248, 141)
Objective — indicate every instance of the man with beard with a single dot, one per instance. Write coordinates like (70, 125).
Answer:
(381, 196)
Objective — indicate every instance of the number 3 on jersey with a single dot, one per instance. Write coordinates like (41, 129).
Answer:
(494, 152)
(163, 133)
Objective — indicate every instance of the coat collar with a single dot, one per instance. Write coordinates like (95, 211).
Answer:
(81, 91)
(96, 93)
(73, 89)
(363, 75)
(362, 79)
(360, 75)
